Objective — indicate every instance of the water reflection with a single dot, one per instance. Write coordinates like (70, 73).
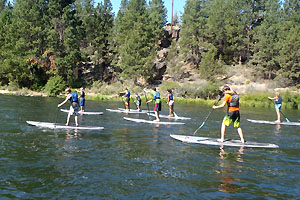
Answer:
(227, 171)
(278, 127)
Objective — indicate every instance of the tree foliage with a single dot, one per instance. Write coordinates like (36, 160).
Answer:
(82, 42)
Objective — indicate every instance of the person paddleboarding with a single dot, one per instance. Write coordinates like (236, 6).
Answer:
(138, 102)
(74, 108)
(277, 101)
(233, 112)
(82, 99)
(126, 94)
(170, 102)
(156, 98)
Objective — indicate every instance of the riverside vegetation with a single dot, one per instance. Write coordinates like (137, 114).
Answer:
(48, 45)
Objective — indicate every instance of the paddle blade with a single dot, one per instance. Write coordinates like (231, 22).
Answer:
(287, 120)
(199, 127)
(175, 114)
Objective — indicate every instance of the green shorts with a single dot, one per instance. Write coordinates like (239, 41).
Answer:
(232, 117)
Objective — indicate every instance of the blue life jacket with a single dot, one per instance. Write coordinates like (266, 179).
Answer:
(157, 96)
(74, 97)
(171, 96)
(127, 95)
(279, 100)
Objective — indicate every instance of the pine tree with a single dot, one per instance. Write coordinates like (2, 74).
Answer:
(135, 46)
(102, 42)
(26, 40)
(289, 44)
(5, 23)
(193, 34)
(157, 17)
(64, 39)
(266, 41)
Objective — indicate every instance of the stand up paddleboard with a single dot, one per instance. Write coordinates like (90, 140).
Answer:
(214, 141)
(273, 122)
(85, 113)
(169, 117)
(152, 122)
(125, 111)
(60, 126)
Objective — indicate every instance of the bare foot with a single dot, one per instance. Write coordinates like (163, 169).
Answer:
(220, 140)
(77, 125)
(67, 124)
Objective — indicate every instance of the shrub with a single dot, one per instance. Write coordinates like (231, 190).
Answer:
(13, 86)
(55, 85)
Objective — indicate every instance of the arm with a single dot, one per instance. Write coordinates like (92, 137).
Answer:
(220, 106)
(271, 98)
(59, 105)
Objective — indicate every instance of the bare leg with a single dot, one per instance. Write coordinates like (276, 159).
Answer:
(68, 119)
(76, 120)
(278, 115)
(240, 131)
(223, 129)
(157, 116)
(171, 111)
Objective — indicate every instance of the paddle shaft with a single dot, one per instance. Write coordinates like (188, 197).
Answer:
(123, 103)
(285, 116)
(134, 103)
(207, 117)
(147, 105)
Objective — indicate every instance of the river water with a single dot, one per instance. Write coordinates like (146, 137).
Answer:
(128, 160)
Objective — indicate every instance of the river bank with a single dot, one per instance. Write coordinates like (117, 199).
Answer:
(258, 100)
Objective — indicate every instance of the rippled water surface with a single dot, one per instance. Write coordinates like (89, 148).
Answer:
(128, 160)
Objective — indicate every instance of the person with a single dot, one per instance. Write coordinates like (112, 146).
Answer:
(126, 94)
(156, 97)
(170, 102)
(233, 112)
(278, 101)
(82, 99)
(138, 102)
(73, 98)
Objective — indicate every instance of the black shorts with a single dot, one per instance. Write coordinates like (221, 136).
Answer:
(157, 107)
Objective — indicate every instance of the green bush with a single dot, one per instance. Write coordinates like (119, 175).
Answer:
(13, 86)
(55, 85)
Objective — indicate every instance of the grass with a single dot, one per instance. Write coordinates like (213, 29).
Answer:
(257, 100)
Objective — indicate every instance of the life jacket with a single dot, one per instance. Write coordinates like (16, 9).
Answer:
(82, 94)
(171, 96)
(234, 100)
(157, 96)
(74, 97)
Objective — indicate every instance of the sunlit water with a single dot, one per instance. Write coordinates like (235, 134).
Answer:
(128, 160)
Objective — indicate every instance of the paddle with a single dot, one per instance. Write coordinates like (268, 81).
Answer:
(56, 116)
(148, 113)
(123, 102)
(287, 120)
(219, 98)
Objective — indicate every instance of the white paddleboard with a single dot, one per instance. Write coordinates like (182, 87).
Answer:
(125, 111)
(168, 116)
(273, 122)
(152, 122)
(85, 112)
(60, 126)
(214, 141)
(136, 110)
